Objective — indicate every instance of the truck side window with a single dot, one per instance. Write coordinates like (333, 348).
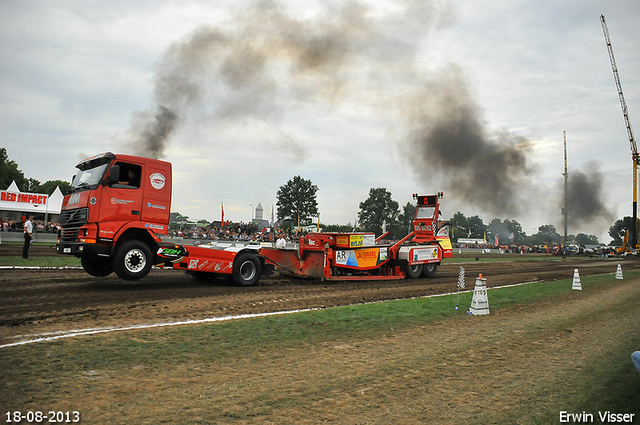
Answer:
(129, 176)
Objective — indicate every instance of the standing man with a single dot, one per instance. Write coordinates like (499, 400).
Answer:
(28, 236)
(281, 243)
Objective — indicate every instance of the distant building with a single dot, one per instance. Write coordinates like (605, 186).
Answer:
(258, 220)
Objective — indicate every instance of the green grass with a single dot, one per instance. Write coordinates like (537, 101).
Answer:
(292, 330)
(29, 370)
(36, 259)
(43, 261)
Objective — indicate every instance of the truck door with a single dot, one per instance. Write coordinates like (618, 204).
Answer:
(156, 204)
(122, 201)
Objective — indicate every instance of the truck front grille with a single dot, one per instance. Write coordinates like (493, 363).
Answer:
(69, 235)
(74, 218)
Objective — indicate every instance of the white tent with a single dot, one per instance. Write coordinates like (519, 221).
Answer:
(30, 203)
(54, 205)
(13, 187)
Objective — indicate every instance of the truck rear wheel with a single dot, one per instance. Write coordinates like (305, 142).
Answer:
(429, 269)
(413, 271)
(132, 260)
(246, 269)
(96, 266)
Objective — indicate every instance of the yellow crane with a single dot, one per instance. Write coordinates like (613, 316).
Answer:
(634, 149)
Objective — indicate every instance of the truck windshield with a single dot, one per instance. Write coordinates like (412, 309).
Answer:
(88, 178)
(425, 212)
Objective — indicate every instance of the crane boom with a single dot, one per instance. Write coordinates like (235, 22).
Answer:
(634, 148)
(616, 77)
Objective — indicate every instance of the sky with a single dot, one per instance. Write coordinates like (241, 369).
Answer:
(462, 97)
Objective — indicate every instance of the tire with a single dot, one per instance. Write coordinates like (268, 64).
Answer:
(246, 269)
(413, 271)
(132, 260)
(97, 266)
(429, 270)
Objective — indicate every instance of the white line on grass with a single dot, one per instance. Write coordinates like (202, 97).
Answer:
(54, 336)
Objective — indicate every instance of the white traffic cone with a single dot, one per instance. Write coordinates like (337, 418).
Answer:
(576, 280)
(480, 301)
(619, 272)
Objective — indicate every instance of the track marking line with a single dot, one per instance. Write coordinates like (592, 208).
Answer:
(54, 336)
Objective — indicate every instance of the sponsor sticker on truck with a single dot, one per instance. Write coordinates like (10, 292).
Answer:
(424, 254)
(361, 258)
(157, 180)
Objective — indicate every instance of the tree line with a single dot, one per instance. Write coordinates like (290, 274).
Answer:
(297, 206)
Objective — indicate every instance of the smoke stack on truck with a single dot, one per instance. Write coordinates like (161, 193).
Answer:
(118, 208)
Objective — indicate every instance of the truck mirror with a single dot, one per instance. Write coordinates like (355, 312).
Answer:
(114, 174)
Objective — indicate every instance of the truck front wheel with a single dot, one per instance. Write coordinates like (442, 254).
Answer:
(132, 260)
(246, 269)
(96, 266)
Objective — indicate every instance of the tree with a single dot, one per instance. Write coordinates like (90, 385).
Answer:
(337, 227)
(495, 227)
(548, 233)
(177, 220)
(459, 226)
(582, 239)
(296, 201)
(619, 230)
(508, 231)
(477, 227)
(379, 208)
(50, 185)
(9, 172)
(32, 186)
(515, 230)
(406, 217)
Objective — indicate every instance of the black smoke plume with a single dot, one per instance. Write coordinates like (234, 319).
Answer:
(585, 192)
(266, 61)
(448, 137)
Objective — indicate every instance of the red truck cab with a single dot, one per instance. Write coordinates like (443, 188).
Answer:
(115, 209)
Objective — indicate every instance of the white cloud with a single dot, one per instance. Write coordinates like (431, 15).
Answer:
(73, 73)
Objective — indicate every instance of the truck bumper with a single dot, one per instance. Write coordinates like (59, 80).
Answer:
(82, 249)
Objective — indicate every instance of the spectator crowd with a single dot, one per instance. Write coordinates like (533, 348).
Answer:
(7, 225)
(246, 232)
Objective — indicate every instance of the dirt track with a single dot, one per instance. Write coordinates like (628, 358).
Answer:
(39, 301)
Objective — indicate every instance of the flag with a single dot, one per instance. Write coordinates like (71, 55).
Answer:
(461, 277)
(222, 220)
